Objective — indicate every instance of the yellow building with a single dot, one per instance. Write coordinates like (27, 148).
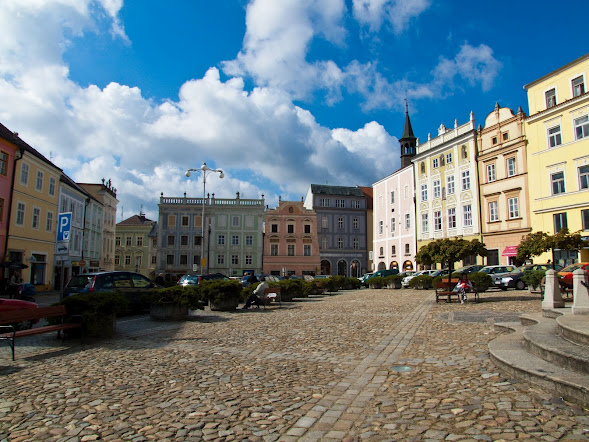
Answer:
(31, 238)
(133, 251)
(557, 130)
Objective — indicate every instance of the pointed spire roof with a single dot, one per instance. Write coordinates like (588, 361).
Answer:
(407, 130)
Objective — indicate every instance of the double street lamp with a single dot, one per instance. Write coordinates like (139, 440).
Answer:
(205, 170)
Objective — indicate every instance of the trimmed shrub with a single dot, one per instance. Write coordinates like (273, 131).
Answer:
(331, 284)
(291, 288)
(219, 291)
(188, 296)
(480, 281)
(393, 281)
(352, 284)
(533, 278)
(376, 282)
(340, 280)
(422, 282)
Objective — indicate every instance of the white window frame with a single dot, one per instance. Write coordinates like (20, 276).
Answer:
(39, 181)
(552, 99)
(451, 217)
(467, 215)
(581, 90)
(448, 157)
(513, 207)
(51, 186)
(249, 240)
(435, 163)
(465, 180)
(424, 192)
(559, 182)
(491, 176)
(424, 223)
(493, 211)
(24, 174)
(407, 221)
(583, 177)
(324, 222)
(306, 250)
(450, 186)
(437, 188)
(340, 242)
(554, 135)
(234, 240)
(393, 225)
(355, 223)
(340, 222)
(437, 220)
(511, 166)
(36, 219)
(340, 204)
(380, 227)
(581, 127)
(21, 210)
(49, 222)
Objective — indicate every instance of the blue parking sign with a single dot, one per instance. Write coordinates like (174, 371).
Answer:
(64, 224)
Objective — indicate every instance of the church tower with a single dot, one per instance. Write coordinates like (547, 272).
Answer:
(408, 141)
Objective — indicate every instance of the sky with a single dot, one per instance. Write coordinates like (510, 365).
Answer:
(279, 94)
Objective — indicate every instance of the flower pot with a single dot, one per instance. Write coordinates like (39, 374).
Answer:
(224, 305)
(100, 325)
(168, 312)
(394, 285)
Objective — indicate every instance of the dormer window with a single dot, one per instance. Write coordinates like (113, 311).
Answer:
(550, 98)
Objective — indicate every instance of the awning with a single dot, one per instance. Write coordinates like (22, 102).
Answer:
(510, 251)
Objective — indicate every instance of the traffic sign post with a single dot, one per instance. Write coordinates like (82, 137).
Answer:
(64, 225)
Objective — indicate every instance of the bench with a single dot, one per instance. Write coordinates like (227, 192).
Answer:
(266, 300)
(9, 333)
(444, 289)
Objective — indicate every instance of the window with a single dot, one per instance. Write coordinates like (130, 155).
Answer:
(466, 180)
(584, 177)
(249, 260)
(274, 228)
(356, 243)
(407, 249)
(452, 218)
(196, 259)
(290, 250)
(407, 220)
(183, 259)
(118, 241)
(450, 184)
(505, 136)
(154, 259)
(424, 223)
(424, 192)
(197, 240)
(3, 163)
(171, 220)
(339, 203)
(20, 214)
(340, 242)
(406, 192)
(274, 249)
(221, 259)
(24, 174)
(557, 180)
(467, 215)
(235, 221)
(324, 202)
(437, 189)
(356, 204)
(393, 197)
(117, 260)
(449, 158)
(422, 167)
(554, 137)
(249, 240)
(184, 221)
(183, 240)
(585, 219)
(381, 251)
(393, 250)
(511, 166)
(578, 86)
(581, 127)
(340, 223)
(393, 225)
(306, 250)
(493, 211)
(550, 98)
(307, 228)
(380, 227)
(355, 223)
(435, 163)
(560, 222)
(324, 222)
(234, 260)
(51, 186)
(494, 140)
(221, 240)
(290, 228)
(490, 173)
(324, 242)
(234, 240)
(36, 217)
(438, 220)
(127, 260)
(140, 241)
(513, 206)
(49, 222)
(464, 151)
(171, 240)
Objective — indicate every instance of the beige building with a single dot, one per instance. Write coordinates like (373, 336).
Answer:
(107, 195)
(133, 245)
(290, 241)
(503, 178)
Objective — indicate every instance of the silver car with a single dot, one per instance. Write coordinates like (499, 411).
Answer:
(497, 272)
(406, 279)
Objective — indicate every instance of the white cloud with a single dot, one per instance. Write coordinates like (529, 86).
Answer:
(398, 13)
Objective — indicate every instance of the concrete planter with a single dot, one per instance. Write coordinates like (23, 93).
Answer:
(394, 285)
(224, 305)
(168, 312)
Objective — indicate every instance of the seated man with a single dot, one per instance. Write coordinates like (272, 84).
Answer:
(257, 294)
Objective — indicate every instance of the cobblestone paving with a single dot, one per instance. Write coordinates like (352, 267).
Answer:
(321, 369)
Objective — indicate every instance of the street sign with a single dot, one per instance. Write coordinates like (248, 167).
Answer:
(82, 263)
(194, 267)
(203, 262)
(62, 249)
(64, 225)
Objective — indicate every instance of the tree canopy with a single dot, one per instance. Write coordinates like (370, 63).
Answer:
(537, 243)
(447, 251)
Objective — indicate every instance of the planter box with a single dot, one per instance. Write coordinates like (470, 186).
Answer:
(394, 285)
(225, 305)
(168, 312)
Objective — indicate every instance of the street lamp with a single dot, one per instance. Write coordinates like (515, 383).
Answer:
(205, 170)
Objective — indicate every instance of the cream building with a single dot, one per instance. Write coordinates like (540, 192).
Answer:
(447, 200)
(558, 154)
(503, 178)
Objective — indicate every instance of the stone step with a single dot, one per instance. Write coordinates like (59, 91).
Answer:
(510, 353)
(574, 328)
(544, 340)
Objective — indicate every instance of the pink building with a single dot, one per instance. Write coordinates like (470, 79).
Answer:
(9, 149)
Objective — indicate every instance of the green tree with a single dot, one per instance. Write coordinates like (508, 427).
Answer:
(447, 251)
(537, 243)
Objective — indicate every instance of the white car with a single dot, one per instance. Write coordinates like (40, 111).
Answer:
(406, 279)
(497, 272)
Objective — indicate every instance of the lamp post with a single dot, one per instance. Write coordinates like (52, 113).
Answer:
(205, 170)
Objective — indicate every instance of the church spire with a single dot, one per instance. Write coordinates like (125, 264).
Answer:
(408, 141)
(407, 130)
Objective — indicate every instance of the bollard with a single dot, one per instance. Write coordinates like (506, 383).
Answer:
(580, 292)
(552, 297)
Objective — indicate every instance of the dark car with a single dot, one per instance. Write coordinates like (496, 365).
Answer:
(7, 305)
(469, 269)
(514, 279)
(133, 285)
(189, 280)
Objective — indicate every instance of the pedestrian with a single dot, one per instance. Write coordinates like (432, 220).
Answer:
(13, 285)
(257, 294)
(251, 279)
(159, 279)
(463, 286)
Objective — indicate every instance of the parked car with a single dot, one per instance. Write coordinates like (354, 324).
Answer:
(187, 280)
(381, 273)
(364, 277)
(406, 279)
(469, 269)
(496, 272)
(565, 276)
(443, 272)
(133, 285)
(514, 279)
(7, 305)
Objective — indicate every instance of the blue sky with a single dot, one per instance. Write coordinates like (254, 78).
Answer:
(279, 94)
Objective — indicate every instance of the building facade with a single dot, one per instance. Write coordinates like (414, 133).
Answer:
(9, 152)
(558, 154)
(232, 242)
(290, 240)
(369, 194)
(341, 229)
(503, 178)
(93, 234)
(133, 245)
(447, 199)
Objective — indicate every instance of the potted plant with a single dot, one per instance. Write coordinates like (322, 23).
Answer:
(172, 303)
(421, 282)
(99, 312)
(376, 282)
(291, 288)
(331, 285)
(480, 281)
(351, 284)
(221, 294)
(533, 279)
(393, 281)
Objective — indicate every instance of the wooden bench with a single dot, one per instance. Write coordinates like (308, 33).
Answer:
(445, 289)
(266, 300)
(9, 333)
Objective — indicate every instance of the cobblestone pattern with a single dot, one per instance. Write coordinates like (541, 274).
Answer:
(319, 369)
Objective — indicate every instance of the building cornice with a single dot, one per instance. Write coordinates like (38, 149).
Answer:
(557, 71)
(558, 109)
